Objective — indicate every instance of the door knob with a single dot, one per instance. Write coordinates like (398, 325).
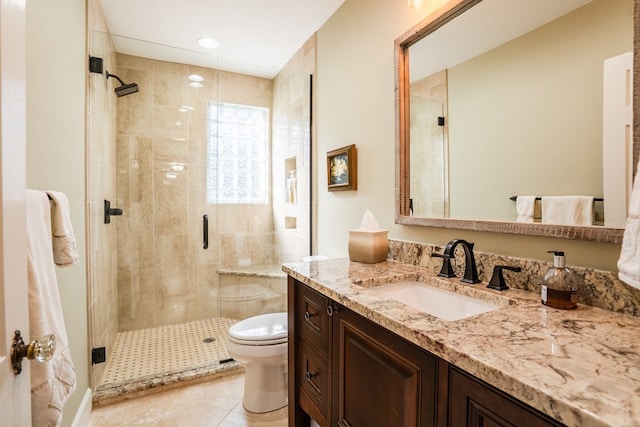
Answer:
(40, 349)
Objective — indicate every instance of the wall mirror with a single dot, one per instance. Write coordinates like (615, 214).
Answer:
(496, 99)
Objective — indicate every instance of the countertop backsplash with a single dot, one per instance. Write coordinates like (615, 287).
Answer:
(598, 288)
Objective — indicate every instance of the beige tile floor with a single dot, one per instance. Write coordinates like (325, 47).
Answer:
(214, 403)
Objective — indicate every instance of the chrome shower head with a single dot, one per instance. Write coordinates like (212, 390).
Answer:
(124, 88)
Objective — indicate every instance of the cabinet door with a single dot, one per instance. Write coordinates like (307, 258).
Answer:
(314, 374)
(379, 378)
(476, 404)
(309, 351)
(313, 320)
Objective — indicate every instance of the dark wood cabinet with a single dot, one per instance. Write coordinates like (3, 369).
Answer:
(348, 371)
(379, 378)
(473, 403)
(345, 370)
(310, 345)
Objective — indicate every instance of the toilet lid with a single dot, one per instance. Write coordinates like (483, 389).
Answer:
(266, 328)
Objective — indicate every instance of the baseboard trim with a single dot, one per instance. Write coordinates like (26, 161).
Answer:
(84, 411)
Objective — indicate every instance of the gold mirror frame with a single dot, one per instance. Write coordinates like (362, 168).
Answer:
(401, 45)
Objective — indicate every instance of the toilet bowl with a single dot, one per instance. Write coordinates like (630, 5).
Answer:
(259, 344)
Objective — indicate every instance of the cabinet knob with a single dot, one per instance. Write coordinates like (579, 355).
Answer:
(308, 375)
(308, 315)
(331, 310)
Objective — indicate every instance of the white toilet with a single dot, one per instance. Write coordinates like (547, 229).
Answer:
(259, 344)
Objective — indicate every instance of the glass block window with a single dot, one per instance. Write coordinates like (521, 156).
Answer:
(237, 153)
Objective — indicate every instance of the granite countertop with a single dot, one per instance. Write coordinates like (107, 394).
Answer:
(581, 367)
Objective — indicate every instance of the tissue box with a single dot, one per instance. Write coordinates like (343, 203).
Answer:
(368, 246)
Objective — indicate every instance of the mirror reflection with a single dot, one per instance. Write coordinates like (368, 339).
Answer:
(521, 106)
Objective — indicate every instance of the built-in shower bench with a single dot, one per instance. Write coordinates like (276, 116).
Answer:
(248, 291)
(271, 271)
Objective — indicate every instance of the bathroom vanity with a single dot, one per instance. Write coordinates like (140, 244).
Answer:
(360, 358)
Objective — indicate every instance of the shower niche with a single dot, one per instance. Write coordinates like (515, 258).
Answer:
(291, 180)
(290, 222)
(290, 193)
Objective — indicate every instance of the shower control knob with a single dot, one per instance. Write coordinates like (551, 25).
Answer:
(41, 349)
(109, 212)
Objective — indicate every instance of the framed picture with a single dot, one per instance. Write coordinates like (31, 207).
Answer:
(342, 171)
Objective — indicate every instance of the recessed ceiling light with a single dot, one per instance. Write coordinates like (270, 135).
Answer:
(196, 78)
(208, 43)
(196, 84)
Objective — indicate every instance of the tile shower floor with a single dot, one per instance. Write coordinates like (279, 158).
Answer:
(146, 353)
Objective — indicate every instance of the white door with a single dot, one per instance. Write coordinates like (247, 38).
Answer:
(15, 398)
(617, 138)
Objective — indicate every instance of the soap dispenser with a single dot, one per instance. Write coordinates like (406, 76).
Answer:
(559, 285)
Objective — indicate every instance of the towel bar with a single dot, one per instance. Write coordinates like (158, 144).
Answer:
(595, 199)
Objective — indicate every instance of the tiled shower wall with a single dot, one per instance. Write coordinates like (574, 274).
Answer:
(292, 151)
(164, 274)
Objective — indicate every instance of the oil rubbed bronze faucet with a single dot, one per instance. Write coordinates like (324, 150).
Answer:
(470, 270)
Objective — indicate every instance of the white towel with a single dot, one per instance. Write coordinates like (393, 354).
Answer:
(52, 382)
(525, 208)
(567, 210)
(65, 252)
(629, 261)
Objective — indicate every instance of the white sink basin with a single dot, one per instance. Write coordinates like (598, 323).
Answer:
(437, 302)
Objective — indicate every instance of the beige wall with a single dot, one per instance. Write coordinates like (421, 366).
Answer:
(56, 78)
(355, 104)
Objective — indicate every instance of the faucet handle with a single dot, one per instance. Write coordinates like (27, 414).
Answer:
(497, 281)
(447, 268)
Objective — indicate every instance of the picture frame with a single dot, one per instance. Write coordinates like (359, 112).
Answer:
(342, 172)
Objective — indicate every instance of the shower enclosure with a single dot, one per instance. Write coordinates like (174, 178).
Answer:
(429, 183)
(212, 172)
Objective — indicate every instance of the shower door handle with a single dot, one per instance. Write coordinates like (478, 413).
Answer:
(205, 231)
